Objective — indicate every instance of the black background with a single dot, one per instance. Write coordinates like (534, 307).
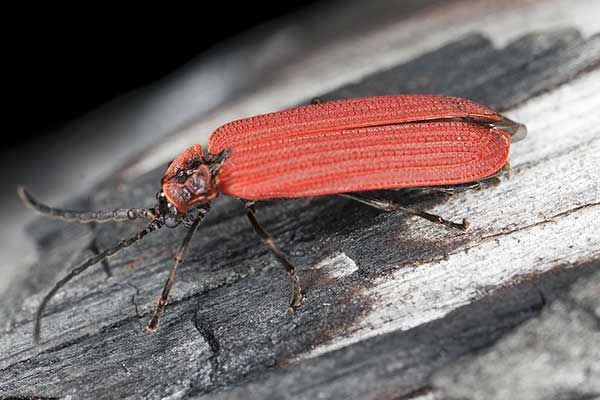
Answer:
(63, 63)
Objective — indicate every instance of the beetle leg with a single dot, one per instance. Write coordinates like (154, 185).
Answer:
(179, 256)
(296, 291)
(387, 205)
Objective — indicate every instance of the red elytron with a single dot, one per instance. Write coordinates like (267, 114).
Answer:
(338, 147)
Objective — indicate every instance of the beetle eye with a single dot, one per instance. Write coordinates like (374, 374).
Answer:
(167, 211)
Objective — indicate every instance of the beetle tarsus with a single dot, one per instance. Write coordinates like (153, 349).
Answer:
(506, 170)
(295, 299)
(439, 220)
(465, 224)
(160, 309)
(296, 294)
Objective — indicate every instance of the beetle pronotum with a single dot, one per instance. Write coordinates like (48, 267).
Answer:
(338, 147)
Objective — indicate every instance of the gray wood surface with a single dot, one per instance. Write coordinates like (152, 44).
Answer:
(394, 308)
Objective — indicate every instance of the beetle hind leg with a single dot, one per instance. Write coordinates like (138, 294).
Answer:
(387, 205)
(296, 290)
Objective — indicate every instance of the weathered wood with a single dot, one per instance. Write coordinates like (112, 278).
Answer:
(401, 299)
(399, 365)
(556, 355)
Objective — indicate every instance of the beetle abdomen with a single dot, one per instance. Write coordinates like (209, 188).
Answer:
(359, 144)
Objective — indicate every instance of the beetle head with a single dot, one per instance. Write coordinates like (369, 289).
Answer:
(187, 182)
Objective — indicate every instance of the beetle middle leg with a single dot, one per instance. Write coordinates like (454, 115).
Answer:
(387, 205)
(296, 290)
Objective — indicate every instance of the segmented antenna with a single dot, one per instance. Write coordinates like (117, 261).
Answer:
(117, 214)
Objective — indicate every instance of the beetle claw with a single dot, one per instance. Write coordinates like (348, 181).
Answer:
(465, 224)
(296, 297)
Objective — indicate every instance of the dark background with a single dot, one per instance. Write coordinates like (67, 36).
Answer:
(64, 63)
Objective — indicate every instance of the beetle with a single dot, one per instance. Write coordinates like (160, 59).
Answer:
(340, 147)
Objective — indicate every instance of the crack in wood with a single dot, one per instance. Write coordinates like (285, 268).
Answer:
(205, 329)
(545, 221)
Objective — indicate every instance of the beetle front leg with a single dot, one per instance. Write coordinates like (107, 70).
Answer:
(387, 205)
(296, 291)
(161, 302)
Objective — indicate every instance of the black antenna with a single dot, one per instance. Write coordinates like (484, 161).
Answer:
(154, 225)
(117, 214)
